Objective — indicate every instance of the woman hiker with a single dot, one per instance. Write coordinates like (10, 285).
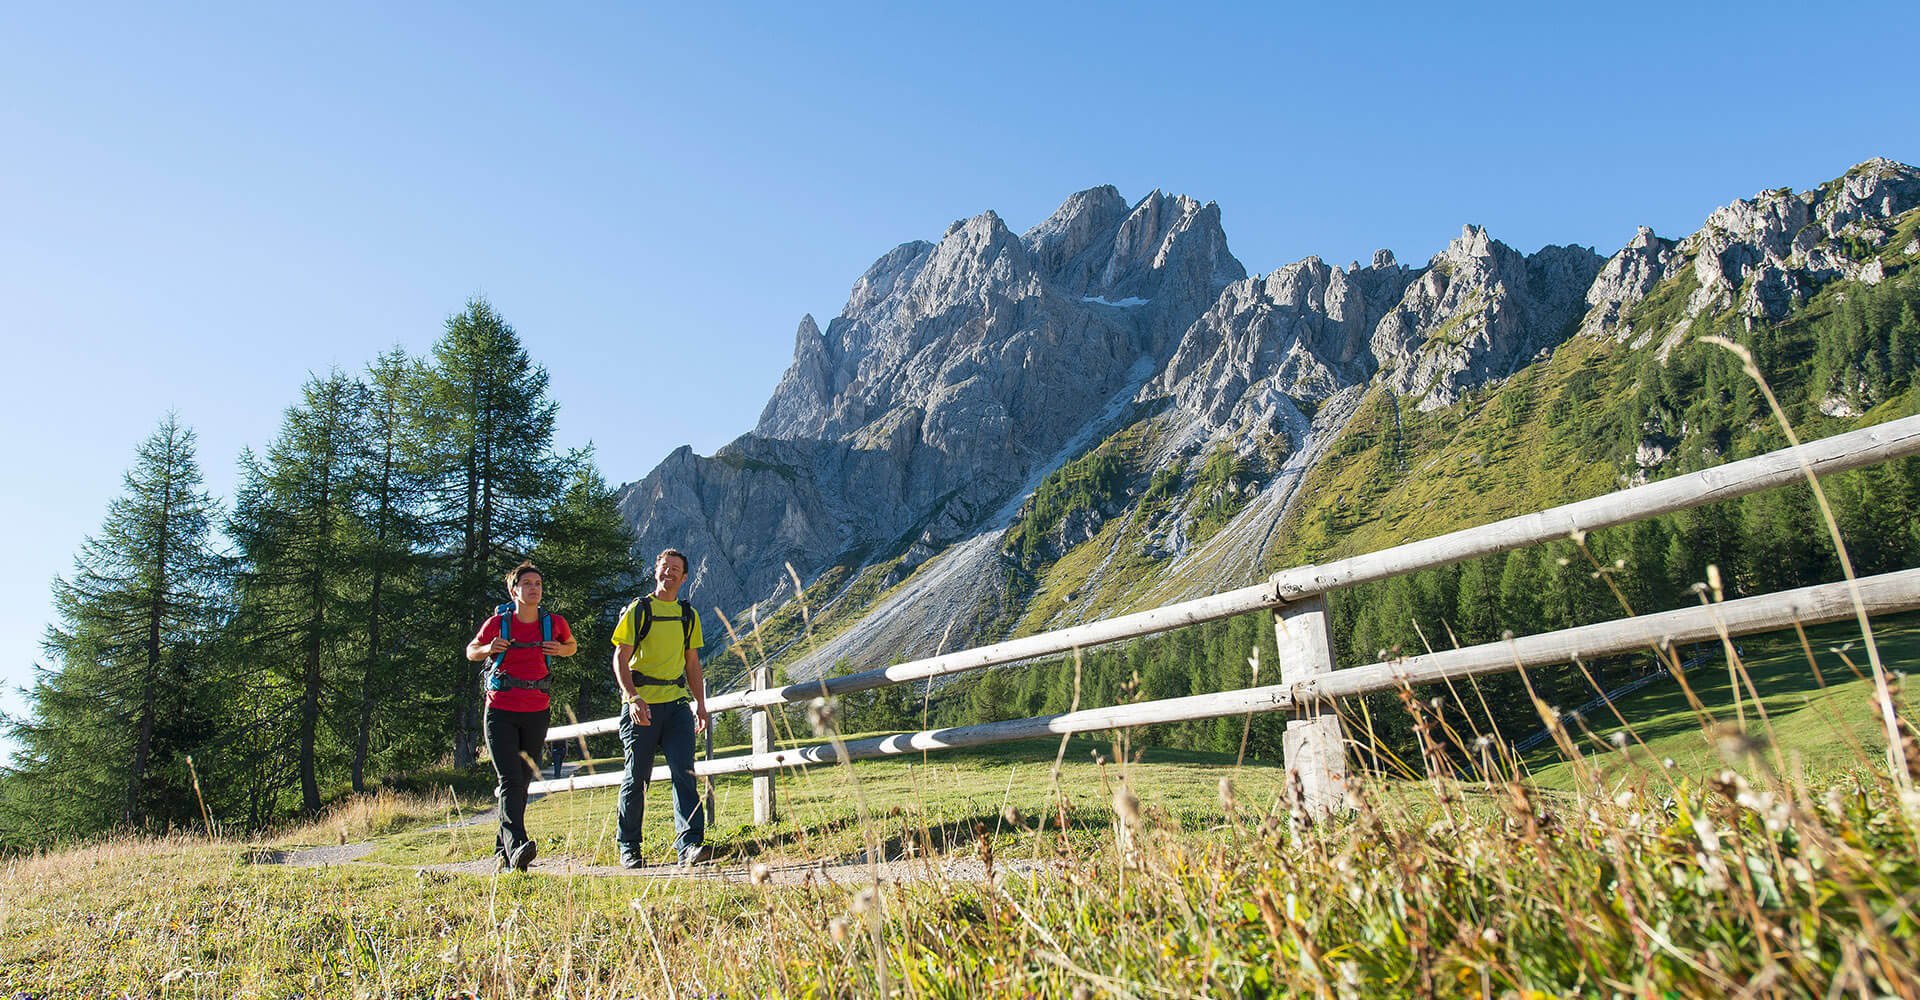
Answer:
(519, 641)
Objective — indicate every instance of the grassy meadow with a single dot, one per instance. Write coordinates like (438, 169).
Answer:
(1685, 856)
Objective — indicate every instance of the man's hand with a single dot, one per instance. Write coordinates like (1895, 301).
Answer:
(700, 719)
(553, 648)
(499, 646)
(642, 715)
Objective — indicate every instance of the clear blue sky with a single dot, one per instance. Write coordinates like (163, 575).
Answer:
(198, 208)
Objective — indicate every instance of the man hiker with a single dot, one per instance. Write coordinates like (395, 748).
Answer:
(656, 662)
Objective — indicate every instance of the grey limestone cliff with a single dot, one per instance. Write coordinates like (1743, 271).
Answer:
(1480, 311)
(955, 369)
(961, 371)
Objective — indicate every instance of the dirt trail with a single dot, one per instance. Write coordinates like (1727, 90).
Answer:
(782, 873)
(724, 869)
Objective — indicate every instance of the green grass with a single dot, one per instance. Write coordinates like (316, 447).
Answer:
(1818, 715)
(1618, 876)
(943, 796)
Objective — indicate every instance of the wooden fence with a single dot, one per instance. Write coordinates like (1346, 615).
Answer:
(1310, 685)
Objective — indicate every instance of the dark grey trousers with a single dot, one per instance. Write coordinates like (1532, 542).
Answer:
(671, 731)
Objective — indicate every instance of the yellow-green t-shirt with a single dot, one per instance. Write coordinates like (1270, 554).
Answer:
(662, 654)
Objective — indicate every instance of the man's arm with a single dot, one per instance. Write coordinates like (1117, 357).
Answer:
(629, 698)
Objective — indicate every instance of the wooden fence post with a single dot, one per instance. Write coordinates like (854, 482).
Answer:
(1314, 745)
(763, 810)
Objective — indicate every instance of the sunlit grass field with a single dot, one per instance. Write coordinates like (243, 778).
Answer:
(1700, 859)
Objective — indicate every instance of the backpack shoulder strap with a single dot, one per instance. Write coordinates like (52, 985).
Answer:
(503, 612)
(546, 635)
(642, 611)
(688, 619)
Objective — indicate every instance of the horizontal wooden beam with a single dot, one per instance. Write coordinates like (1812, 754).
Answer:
(1888, 593)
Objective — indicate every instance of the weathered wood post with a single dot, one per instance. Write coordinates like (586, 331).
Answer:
(763, 811)
(1314, 745)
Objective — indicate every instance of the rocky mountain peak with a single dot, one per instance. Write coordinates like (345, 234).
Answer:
(1480, 311)
(1080, 221)
(1760, 255)
(1625, 279)
(799, 403)
(1269, 345)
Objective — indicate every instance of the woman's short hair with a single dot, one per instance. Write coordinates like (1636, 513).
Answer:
(513, 575)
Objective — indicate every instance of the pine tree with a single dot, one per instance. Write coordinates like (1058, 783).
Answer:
(122, 701)
(392, 482)
(298, 523)
(490, 431)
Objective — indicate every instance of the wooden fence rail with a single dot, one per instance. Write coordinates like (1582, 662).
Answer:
(1888, 593)
(1313, 745)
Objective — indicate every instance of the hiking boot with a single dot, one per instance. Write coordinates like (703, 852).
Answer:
(630, 858)
(522, 855)
(696, 855)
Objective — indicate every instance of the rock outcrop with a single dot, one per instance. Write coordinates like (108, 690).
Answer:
(1760, 256)
(1479, 312)
(1270, 345)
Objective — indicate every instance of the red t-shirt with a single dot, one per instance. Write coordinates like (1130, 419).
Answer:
(524, 662)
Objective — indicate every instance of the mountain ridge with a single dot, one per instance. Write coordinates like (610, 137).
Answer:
(961, 373)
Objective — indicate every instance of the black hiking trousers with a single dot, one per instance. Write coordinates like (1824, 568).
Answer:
(514, 738)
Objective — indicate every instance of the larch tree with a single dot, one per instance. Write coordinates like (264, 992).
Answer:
(489, 440)
(122, 699)
(300, 527)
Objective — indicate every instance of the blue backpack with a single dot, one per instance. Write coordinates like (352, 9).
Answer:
(500, 680)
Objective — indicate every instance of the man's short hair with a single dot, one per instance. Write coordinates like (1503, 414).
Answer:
(685, 566)
(513, 575)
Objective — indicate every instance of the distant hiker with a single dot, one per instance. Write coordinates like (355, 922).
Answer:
(656, 662)
(518, 643)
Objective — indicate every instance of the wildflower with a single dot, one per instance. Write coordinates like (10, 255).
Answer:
(759, 873)
(1126, 804)
(1709, 837)
(837, 929)
(1619, 740)
(866, 899)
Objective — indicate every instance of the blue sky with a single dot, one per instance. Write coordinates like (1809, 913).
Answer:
(199, 208)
